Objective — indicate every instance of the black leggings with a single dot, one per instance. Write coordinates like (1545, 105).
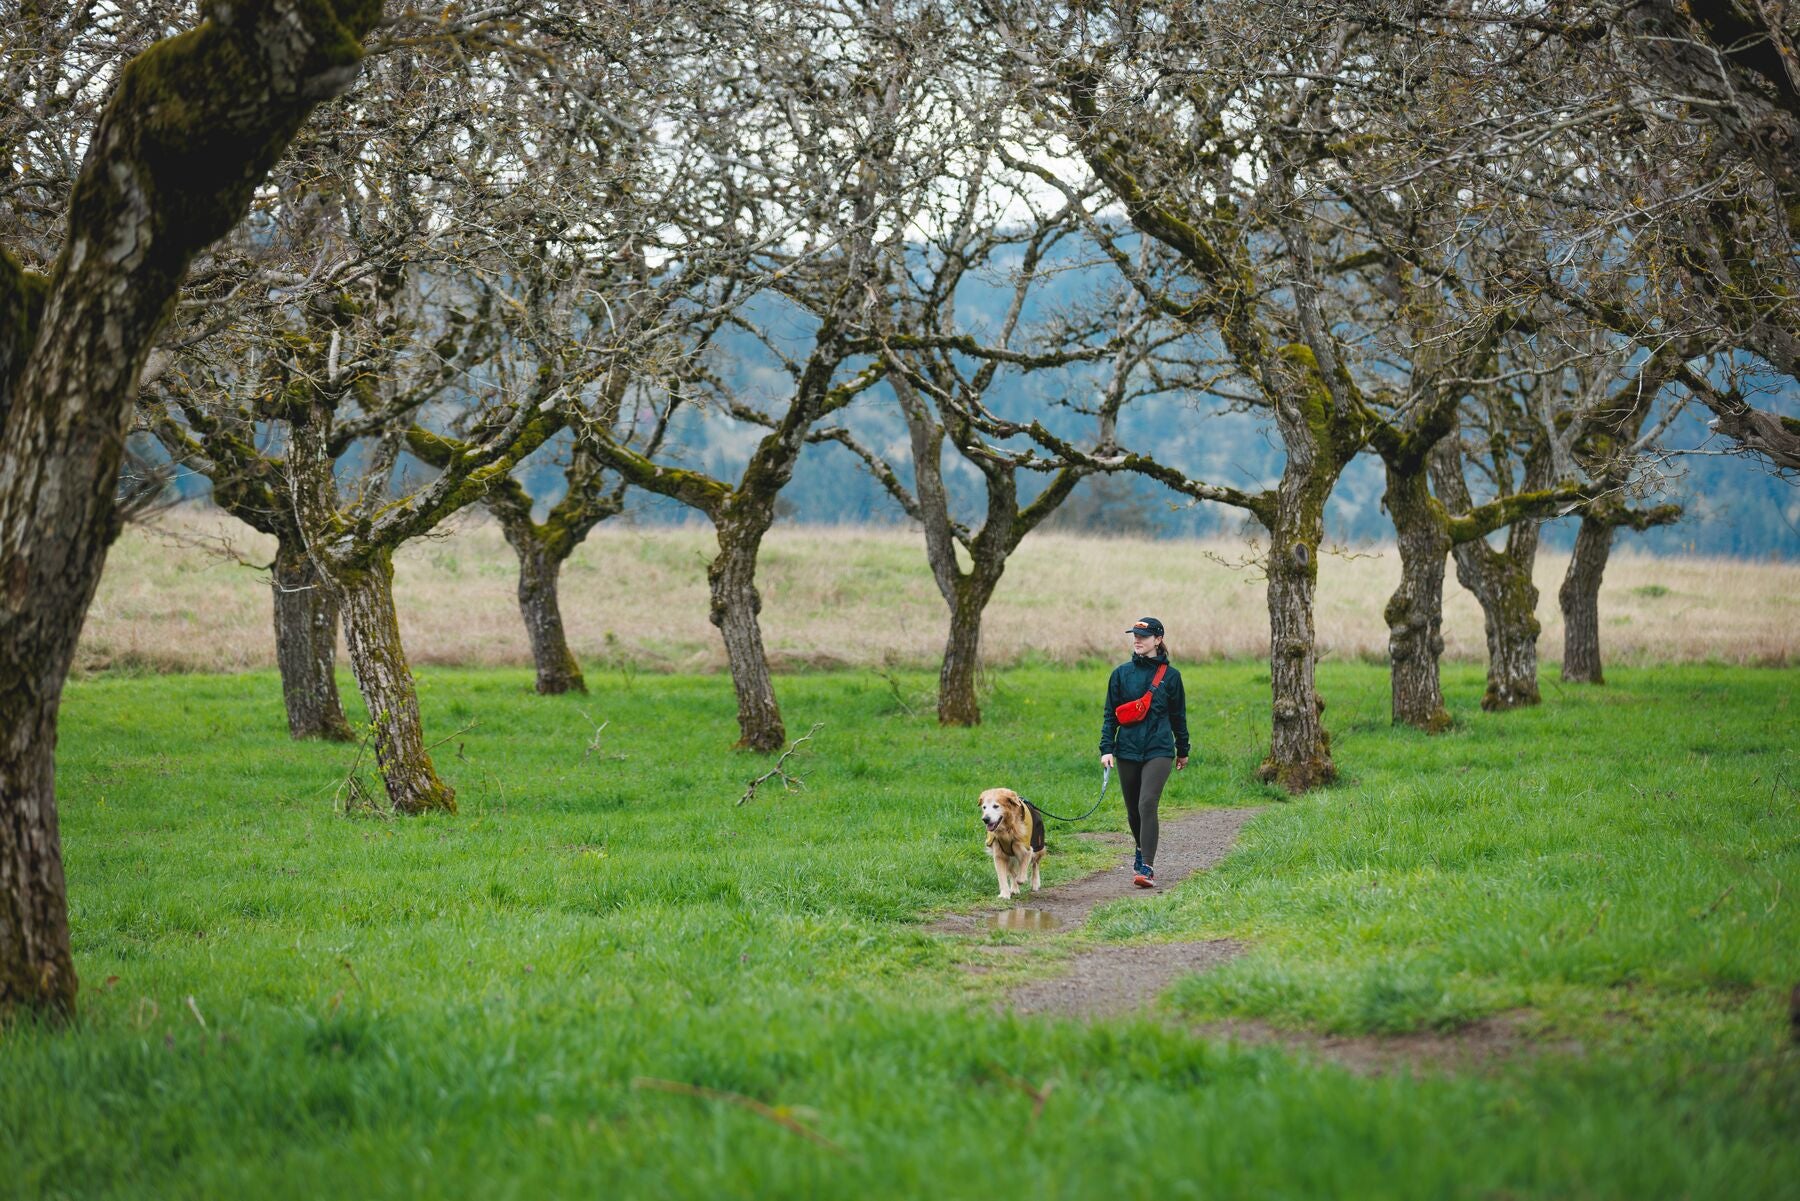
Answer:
(1142, 783)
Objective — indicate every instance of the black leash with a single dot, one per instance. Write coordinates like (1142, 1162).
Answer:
(1104, 778)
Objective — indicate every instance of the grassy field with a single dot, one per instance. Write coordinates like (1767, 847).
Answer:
(283, 1001)
(173, 599)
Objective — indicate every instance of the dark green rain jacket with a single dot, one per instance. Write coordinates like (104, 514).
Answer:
(1164, 733)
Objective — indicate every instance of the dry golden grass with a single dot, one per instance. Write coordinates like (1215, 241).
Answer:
(170, 601)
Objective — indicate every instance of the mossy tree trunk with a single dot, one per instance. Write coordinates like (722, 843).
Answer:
(306, 627)
(193, 125)
(372, 629)
(542, 550)
(355, 554)
(1509, 611)
(539, 570)
(1299, 746)
(1501, 582)
(1415, 612)
(1426, 535)
(736, 604)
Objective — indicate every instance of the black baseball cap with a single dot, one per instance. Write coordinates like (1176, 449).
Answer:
(1147, 626)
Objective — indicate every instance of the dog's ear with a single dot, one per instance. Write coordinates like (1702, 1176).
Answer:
(1014, 801)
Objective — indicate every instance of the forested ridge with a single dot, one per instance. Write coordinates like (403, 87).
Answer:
(1729, 507)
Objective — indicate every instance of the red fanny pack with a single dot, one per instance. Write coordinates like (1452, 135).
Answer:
(1132, 712)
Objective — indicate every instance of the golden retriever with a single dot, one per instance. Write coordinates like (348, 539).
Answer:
(1015, 839)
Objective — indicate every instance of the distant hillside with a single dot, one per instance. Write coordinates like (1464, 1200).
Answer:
(1734, 506)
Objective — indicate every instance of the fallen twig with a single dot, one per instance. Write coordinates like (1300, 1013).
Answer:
(1720, 900)
(894, 687)
(458, 734)
(593, 746)
(145, 1012)
(781, 1115)
(350, 796)
(1038, 1094)
(790, 783)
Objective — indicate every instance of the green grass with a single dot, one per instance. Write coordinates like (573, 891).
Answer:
(458, 1006)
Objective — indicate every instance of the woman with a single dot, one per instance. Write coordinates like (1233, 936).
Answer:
(1144, 733)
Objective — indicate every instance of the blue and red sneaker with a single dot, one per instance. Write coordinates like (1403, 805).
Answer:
(1146, 876)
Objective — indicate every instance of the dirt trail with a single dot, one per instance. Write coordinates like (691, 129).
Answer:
(1113, 979)
(1189, 843)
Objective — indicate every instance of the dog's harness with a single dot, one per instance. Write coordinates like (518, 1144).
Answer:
(1106, 776)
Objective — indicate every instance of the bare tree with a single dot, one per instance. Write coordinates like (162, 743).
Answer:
(1488, 184)
(251, 485)
(1632, 143)
(543, 547)
(1191, 126)
(65, 48)
(1654, 141)
(193, 125)
(1516, 440)
(941, 368)
(1613, 447)
(1419, 333)
(743, 510)
(835, 129)
(405, 275)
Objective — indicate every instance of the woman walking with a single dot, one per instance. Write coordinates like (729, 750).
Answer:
(1144, 733)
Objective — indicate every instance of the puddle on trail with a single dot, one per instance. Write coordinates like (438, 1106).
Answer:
(1024, 919)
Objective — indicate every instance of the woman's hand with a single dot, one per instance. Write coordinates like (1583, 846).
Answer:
(1180, 762)
(1106, 761)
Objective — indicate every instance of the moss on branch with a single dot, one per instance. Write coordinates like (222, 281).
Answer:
(1497, 514)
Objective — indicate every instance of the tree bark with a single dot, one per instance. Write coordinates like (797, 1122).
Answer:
(372, 629)
(1317, 446)
(1579, 597)
(1509, 617)
(540, 569)
(957, 703)
(193, 125)
(1415, 613)
(37, 969)
(1580, 591)
(306, 624)
(1501, 582)
(735, 605)
(1299, 748)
